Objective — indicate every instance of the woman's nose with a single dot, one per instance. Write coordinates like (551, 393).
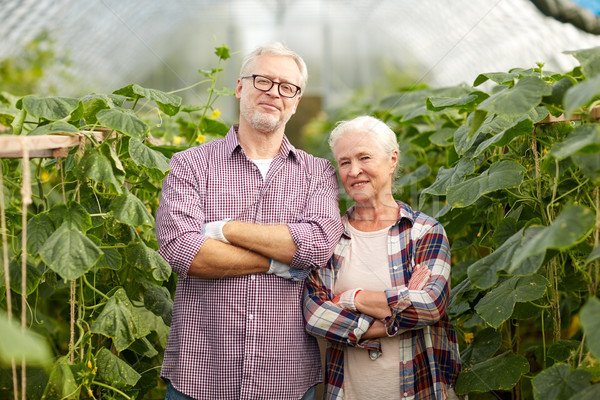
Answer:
(355, 169)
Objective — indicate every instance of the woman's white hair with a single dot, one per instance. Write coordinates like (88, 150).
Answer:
(384, 136)
(276, 49)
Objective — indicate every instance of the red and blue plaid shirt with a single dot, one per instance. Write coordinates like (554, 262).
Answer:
(428, 345)
(244, 337)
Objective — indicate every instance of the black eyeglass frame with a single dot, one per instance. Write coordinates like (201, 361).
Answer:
(254, 76)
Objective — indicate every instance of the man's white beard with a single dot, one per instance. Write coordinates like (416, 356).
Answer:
(262, 122)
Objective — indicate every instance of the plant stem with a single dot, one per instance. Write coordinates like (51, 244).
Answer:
(72, 321)
(593, 273)
(543, 340)
(7, 275)
(189, 87)
(25, 202)
(93, 288)
(111, 388)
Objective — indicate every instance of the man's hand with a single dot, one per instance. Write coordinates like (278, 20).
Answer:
(279, 269)
(284, 271)
(419, 278)
(214, 230)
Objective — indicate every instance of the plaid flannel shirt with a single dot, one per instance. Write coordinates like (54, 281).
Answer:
(243, 337)
(428, 344)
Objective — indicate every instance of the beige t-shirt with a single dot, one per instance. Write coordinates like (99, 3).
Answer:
(366, 266)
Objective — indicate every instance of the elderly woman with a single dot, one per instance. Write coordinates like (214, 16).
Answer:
(380, 301)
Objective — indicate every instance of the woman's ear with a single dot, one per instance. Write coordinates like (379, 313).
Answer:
(394, 160)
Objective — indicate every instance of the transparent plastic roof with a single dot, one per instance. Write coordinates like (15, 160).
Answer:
(347, 44)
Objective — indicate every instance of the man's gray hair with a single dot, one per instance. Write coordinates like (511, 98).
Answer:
(276, 49)
(384, 136)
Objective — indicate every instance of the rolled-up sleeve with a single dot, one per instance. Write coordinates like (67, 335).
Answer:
(320, 228)
(180, 216)
(325, 319)
(414, 309)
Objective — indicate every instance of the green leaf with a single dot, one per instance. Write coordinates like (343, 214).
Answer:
(157, 299)
(498, 373)
(112, 370)
(590, 321)
(69, 253)
(589, 165)
(413, 177)
(506, 128)
(589, 393)
(77, 216)
(501, 78)
(130, 210)
(16, 344)
(563, 349)
(589, 60)
(501, 175)
(34, 276)
(594, 255)
(476, 120)
(97, 167)
(167, 103)
(39, 229)
(483, 272)
(581, 95)
(584, 139)
(61, 383)
(222, 52)
(50, 108)
(450, 177)
(144, 348)
(147, 259)
(569, 228)
(497, 306)
(559, 382)
(484, 345)
(213, 128)
(519, 100)
(54, 127)
(441, 103)
(124, 121)
(146, 157)
(442, 137)
(111, 260)
(92, 104)
(116, 321)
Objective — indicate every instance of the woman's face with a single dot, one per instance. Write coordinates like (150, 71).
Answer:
(365, 169)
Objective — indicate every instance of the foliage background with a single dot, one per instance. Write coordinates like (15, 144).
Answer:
(517, 193)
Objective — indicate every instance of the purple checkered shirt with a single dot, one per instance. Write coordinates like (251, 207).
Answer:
(428, 344)
(243, 337)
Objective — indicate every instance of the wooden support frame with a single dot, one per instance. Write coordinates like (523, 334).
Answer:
(550, 119)
(44, 146)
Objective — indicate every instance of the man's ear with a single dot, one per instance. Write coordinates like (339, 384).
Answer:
(238, 89)
(296, 104)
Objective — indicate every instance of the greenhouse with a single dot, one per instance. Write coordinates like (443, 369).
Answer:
(494, 107)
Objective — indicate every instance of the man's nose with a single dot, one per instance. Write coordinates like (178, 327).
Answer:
(274, 91)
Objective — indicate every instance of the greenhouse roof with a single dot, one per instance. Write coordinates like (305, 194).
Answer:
(347, 44)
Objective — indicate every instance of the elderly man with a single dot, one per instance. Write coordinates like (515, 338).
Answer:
(242, 221)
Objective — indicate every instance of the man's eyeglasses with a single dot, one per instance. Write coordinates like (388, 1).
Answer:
(265, 84)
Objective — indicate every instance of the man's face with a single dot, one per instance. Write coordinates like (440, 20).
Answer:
(268, 111)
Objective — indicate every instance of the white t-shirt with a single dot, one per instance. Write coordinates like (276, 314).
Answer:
(263, 166)
(366, 266)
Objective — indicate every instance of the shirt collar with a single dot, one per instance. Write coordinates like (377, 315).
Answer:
(404, 211)
(232, 144)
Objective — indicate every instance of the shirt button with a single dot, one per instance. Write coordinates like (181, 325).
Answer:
(405, 394)
(250, 317)
(253, 277)
(395, 267)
